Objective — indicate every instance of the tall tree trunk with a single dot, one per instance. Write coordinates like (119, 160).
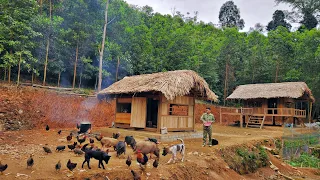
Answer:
(80, 80)
(46, 63)
(59, 75)
(75, 68)
(9, 74)
(40, 7)
(5, 73)
(32, 77)
(19, 69)
(102, 45)
(117, 72)
(225, 83)
(95, 85)
(47, 49)
(277, 73)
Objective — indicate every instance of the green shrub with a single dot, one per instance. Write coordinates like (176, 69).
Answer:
(305, 160)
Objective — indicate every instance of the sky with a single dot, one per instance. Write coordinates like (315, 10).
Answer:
(252, 11)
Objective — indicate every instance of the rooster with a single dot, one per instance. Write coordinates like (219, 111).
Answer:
(136, 176)
(142, 159)
(128, 161)
(71, 165)
(47, 127)
(46, 149)
(81, 140)
(72, 146)
(3, 167)
(69, 138)
(58, 166)
(30, 161)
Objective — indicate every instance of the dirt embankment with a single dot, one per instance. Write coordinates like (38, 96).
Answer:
(27, 108)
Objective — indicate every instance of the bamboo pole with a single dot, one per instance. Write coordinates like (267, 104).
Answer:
(19, 69)
(310, 111)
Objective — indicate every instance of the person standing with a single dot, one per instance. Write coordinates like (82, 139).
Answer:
(207, 119)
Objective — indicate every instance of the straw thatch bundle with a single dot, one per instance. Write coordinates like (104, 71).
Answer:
(272, 90)
(171, 84)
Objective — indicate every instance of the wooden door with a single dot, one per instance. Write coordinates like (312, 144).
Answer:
(138, 112)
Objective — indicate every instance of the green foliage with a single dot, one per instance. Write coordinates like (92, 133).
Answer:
(305, 160)
(229, 15)
(278, 19)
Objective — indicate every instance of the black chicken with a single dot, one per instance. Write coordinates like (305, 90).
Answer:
(91, 141)
(136, 176)
(153, 140)
(3, 167)
(60, 148)
(46, 149)
(72, 146)
(71, 165)
(128, 161)
(30, 161)
(58, 166)
(98, 138)
(47, 127)
(81, 140)
(78, 126)
(156, 163)
(59, 132)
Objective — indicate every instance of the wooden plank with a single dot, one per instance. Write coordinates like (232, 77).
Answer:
(180, 129)
(138, 112)
(124, 100)
(124, 118)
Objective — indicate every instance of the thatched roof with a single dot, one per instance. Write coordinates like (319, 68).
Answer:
(171, 84)
(272, 90)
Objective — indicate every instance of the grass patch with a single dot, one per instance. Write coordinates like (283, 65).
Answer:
(305, 160)
(246, 160)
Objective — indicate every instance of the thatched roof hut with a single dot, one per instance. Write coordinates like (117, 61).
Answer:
(171, 84)
(293, 90)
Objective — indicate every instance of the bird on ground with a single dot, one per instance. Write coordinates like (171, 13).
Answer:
(47, 127)
(69, 138)
(59, 132)
(136, 176)
(30, 161)
(3, 167)
(71, 165)
(46, 149)
(58, 166)
(156, 163)
(128, 161)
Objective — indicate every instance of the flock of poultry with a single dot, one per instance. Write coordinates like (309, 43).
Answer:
(142, 158)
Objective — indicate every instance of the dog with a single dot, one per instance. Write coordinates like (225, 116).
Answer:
(98, 155)
(174, 150)
(214, 142)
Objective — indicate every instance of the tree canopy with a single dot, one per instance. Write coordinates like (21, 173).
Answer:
(141, 41)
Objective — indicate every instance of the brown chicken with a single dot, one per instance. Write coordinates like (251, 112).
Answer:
(46, 149)
(128, 161)
(69, 138)
(136, 176)
(71, 165)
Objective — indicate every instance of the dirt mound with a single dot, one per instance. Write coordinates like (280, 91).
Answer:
(27, 108)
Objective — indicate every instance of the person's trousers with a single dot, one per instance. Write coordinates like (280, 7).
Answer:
(207, 131)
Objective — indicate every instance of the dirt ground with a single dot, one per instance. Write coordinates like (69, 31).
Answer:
(201, 162)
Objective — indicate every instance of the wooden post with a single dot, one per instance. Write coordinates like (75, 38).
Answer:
(310, 111)
(159, 114)
(241, 119)
(194, 115)
(220, 115)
